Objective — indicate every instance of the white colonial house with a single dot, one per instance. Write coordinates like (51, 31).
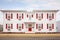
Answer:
(29, 22)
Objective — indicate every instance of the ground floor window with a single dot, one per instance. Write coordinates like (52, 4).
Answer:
(9, 26)
(50, 26)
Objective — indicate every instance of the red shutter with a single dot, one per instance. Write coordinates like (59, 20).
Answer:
(36, 16)
(47, 26)
(17, 15)
(42, 26)
(42, 15)
(22, 26)
(36, 26)
(47, 15)
(11, 26)
(22, 15)
(17, 26)
(52, 16)
(6, 15)
(6, 26)
(27, 15)
(32, 15)
(11, 16)
(52, 26)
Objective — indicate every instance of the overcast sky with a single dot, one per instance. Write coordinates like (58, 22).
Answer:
(30, 5)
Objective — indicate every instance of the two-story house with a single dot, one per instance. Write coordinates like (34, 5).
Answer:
(29, 22)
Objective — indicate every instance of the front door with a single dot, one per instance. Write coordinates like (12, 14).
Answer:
(30, 27)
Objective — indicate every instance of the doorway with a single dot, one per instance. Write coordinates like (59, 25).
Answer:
(30, 27)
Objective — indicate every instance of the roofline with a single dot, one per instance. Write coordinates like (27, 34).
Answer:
(32, 11)
(13, 10)
(45, 10)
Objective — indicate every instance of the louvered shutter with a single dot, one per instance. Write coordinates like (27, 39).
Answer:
(6, 15)
(52, 16)
(36, 26)
(36, 16)
(52, 26)
(6, 26)
(47, 26)
(42, 15)
(27, 15)
(17, 26)
(47, 15)
(17, 15)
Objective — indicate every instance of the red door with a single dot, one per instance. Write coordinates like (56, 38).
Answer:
(30, 29)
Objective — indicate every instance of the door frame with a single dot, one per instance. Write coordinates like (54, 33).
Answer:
(29, 27)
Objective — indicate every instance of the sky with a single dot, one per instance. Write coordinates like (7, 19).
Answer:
(29, 5)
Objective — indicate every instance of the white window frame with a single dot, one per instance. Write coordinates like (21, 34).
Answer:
(19, 16)
(39, 27)
(50, 27)
(19, 27)
(9, 27)
(40, 16)
(50, 16)
(8, 15)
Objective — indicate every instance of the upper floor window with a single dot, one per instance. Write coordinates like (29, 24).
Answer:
(20, 16)
(39, 26)
(50, 26)
(39, 16)
(29, 16)
(50, 16)
(9, 16)
(20, 26)
(9, 26)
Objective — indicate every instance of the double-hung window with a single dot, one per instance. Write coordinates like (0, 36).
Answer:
(9, 26)
(9, 16)
(50, 26)
(50, 16)
(20, 16)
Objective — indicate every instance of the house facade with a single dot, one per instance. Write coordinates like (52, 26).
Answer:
(29, 22)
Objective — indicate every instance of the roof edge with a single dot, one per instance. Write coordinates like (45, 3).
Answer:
(32, 11)
(45, 10)
(13, 10)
